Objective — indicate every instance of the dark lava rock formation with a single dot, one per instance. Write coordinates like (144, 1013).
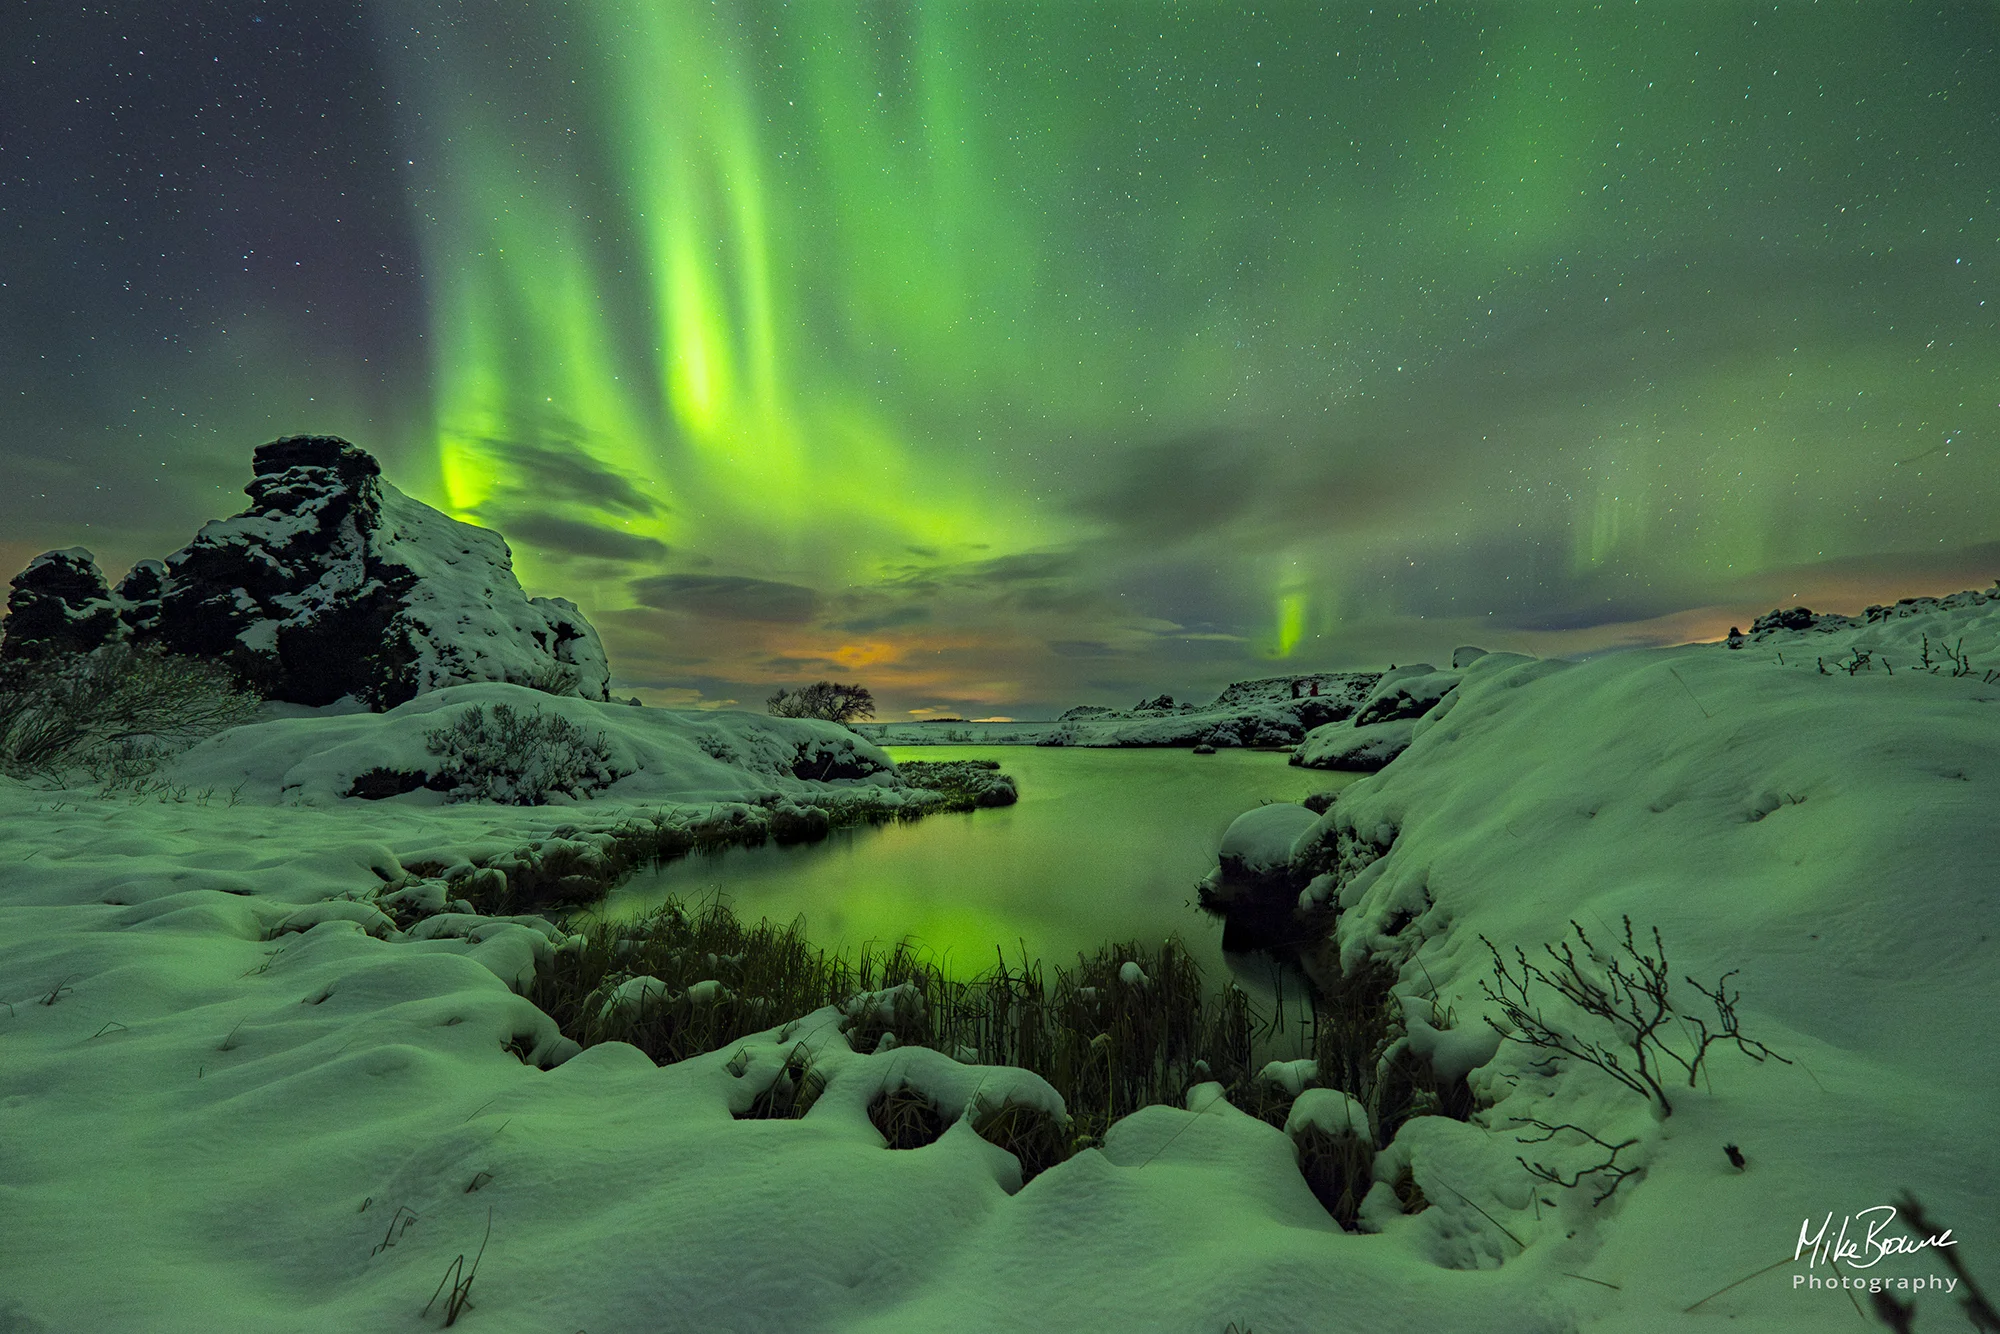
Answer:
(332, 583)
(59, 604)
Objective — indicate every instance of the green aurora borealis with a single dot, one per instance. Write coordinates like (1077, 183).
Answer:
(1010, 356)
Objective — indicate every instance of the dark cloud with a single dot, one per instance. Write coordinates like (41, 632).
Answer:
(886, 620)
(727, 597)
(580, 539)
(1952, 566)
(1084, 648)
(1188, 484)
(1024, 567)
(1202, 495)
(1591, 615)
(561, 470)
(1527, 581)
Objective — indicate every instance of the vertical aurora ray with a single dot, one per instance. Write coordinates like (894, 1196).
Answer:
(677, 247)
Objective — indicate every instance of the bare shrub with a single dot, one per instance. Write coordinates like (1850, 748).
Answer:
(1627, 989)
(823, 699)
(518, 757)
(554, 679)
(113, 712)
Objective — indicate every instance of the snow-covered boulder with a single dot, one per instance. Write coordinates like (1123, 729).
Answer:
(1329, 1110)
(1259, 841)
(1252, 886)
(335, 583)
(1345, 746)
(58, 604)
(1405, 692)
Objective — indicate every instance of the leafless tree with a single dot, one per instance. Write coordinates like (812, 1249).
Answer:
(823, 699)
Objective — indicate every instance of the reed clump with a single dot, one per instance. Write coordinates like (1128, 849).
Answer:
(1127, 1027)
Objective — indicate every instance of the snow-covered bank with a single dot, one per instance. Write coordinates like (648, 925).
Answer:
(648, 755)
(207, 1126)
(1814, 811)
(1270, 711)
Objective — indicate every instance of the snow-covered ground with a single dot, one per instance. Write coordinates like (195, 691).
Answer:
(205, 1126)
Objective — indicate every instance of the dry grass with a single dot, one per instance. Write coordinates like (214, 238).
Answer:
(1339, 1170)
(1129, 1026)
(907, 1117)
(792, 1093)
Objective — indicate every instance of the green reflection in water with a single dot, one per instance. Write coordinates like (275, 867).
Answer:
(1104, 845)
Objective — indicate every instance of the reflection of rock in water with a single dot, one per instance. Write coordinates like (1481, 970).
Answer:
(1281, 995)
(1254, 889)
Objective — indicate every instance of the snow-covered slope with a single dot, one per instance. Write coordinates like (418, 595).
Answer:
(1830, 836)
(209, 1127)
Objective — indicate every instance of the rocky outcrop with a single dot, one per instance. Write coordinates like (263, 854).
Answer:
(58, 604)
(333, 583)
(1271, 711)
(1795, 620)
(1356, 749)
(1385, 723)
(1405, 692)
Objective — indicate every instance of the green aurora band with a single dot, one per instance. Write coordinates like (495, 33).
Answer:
(854, 299)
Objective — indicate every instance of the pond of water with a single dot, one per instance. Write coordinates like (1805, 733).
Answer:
(1103, 846)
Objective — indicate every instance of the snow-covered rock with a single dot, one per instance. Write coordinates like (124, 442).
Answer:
(1269, 711)
(58, 604)
(1345, 746)
(1904, 632)
(1253, 886)
(1405, 692)
(334, 583)
(634, 996)
(1259, 842)
(1294, 1077)
(1330, 1110)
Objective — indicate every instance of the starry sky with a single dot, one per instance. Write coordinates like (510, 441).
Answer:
(1009, 356)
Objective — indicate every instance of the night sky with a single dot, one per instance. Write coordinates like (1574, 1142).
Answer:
(1005, 357)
